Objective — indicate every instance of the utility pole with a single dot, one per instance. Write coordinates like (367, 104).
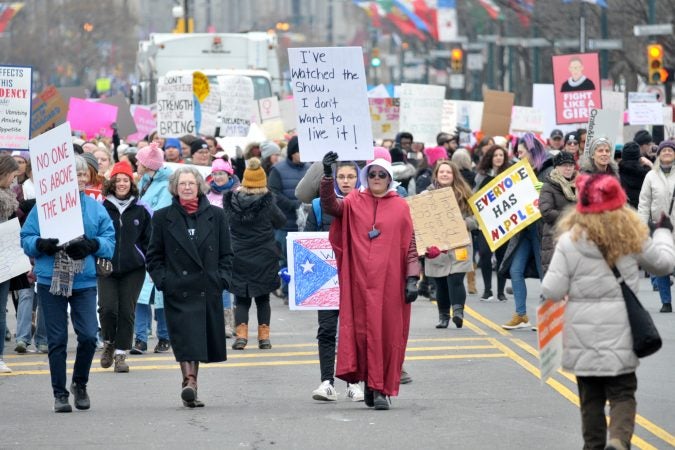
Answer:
(582, 28)
(186, 16)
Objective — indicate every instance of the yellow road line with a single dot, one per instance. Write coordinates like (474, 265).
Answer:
(464, 356)
(473, 327)
(485, 321)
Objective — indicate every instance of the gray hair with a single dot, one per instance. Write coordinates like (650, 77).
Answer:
(173, 180)
(462, 158)
(81, 164)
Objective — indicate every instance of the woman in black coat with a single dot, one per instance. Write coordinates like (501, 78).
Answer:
(633, 169)
(190, 260)
(253, 216)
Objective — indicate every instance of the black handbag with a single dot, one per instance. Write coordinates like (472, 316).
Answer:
(646, 338)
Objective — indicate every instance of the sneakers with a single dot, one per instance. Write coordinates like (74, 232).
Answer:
(405, 377)
(517, 322)
(509, 290)
(380, 401)
(121, 365)
(325, 392)
(4, 368)
(487, 296)
(163, 346)
(354, 392)
(139, 347)
(21, 347)
(79, 392)
(107, 355)
(666, 308)
(43, 348)
(501, 297)
(61, 404)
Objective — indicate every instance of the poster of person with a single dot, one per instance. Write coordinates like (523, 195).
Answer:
(313, 271)
(576, 80)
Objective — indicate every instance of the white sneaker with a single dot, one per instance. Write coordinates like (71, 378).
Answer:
(325, 392)
(4, 368)
(354, 392)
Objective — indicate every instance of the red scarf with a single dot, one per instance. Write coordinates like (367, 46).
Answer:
(190, 206)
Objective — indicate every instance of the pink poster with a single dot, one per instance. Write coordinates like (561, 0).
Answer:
(145, 122)
(576, 81)
(92, 118)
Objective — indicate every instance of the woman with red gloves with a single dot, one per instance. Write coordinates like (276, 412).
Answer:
(447, 268)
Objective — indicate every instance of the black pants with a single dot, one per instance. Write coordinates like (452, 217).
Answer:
(485, 264)
(117, 296)
(450, 290)
(593, 393)
(328, 323)
(262, 304)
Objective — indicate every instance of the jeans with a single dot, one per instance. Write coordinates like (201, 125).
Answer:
(4, 293)
(280, 237)
(528, 247)
(144, 322)
(663, 283)
(326, 334)
(83, 315)
(227, 300)
(117, 301)
(24, 315)
(485, 264)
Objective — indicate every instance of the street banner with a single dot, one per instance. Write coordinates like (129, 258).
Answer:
(125, 121)
(288, 115)
(525, 119)
(576, 80)
(437, 221)
(237, 105)
(57, 197)
(550, 319)
(644, 109)
(543, 99)
(497, 109)
(384, 116)
(91, 118)
(145, 123)
(421, 111)
(602, 123)
(16, 95)
(507, 204)
(13, 261)
(175, 106)
(49, 111)
(331, 99)
(446, 21)
(449, 117)
(313, 270)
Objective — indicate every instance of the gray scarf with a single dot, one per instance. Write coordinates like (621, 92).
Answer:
(121, 205)
(63, 274)
(567, 186)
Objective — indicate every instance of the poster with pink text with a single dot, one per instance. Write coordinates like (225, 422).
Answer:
(576, 82)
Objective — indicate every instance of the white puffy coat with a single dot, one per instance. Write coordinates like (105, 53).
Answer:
(597, 339)
(656, 194)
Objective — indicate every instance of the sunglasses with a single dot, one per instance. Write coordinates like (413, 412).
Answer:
(572, 143)
(380, 175)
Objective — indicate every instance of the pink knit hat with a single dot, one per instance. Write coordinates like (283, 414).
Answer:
(433, 154)
(89, 147)
(221, 165)
(151, 156)
(381, 153)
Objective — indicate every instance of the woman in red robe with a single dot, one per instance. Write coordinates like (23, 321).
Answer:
(373, 239)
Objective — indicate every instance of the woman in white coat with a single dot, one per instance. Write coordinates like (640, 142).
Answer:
(602, 232)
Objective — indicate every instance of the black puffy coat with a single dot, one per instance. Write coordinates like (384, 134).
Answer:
(552, 202)
(632, 173)
(132, 235)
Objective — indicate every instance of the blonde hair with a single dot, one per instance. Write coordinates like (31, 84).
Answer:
(459, 186)
(616, 233)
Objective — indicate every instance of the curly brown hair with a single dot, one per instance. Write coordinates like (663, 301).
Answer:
(485, 163)
(459, 186)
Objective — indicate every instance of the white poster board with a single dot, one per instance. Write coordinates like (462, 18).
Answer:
(615, 101)
(288, 114)
(524, 119)
(602, 123)
(56, 193)
(313, 270)
(543, 99)
(13, 261)
(421, 111)
(269, 108)
(16, 96)
(208, 114)
(644, 109)
(237, 105)
(331, 99)
(550, 319)
(175, 106)
(469, 114)
(449, 116)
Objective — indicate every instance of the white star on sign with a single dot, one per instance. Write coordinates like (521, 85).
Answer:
(307, 267)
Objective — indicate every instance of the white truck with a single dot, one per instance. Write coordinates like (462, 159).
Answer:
(252, 54)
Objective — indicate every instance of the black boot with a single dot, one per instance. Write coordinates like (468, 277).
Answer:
(458, 315)
(61, 404)
(380, 401)
(443, 320)
(79, 391)
(368, 396)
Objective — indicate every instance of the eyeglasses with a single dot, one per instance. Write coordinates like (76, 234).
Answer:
(380, 175)
(346, 177)
(185, 184)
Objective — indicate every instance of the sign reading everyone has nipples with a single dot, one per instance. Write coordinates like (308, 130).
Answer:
(331, 101)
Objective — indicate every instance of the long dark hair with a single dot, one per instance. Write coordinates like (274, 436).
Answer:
(485, 164)
(109, 187)
(7, 165)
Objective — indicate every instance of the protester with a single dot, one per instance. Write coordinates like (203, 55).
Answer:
(190, 260)
(66, 279)
(571, 145)
(105, 161)
(555, 142)
(378, 273)
(600, 234)
(403, 171)
(462, 158)
(96, 180)
(199, 151)
(481, 147)
(173, 151)
(646, 142)
(633, 169)
(269, 155)
(599, 159)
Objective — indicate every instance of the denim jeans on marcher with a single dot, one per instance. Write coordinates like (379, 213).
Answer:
(83, 316)
(144, 322)
(663, 283)
(4, 292)
(528, 247)
(24, 315)
(227, 300)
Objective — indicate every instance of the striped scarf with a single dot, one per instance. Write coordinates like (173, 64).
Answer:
(63, 274)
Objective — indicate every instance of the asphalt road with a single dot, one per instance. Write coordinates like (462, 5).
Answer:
(473, 388)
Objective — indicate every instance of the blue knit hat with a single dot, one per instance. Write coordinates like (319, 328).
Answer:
(173, 142)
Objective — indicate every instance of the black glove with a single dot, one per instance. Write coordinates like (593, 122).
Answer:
(47, 246)
(664, 222)
(328, 160)
(82, 248)
(411, 290)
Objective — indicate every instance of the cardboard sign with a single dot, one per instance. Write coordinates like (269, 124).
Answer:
(312, 266)
(13, 261)
(56, 193)
(269, 108)
(91, 118)
(125, 121)
(438, 221)
(507, 204)
(496, 112)
(524, 119)
(602, 123)
(16, 95)
(421, 111)
(175, 106)
(145, 123)
(49, 111)
(331, 100)
(236, 104)
(384, 116)
(576, 79)
(644, 109)
(550, 319)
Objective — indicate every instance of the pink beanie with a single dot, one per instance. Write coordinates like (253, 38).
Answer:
(381, 153)
(433, 154)
(89, 147)
(221, 165)
(151, 156)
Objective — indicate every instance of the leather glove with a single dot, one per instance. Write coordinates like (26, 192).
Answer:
(329, 159)
(82, 248)
(665, 222)
(47, 246)
(411, 290)
(433, 252)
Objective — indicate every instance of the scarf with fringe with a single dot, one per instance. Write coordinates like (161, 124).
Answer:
(567, 186)
(64, 272)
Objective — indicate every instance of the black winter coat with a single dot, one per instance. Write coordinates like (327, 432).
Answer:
(132, 236)
(632, 175)
(552, 202)
(253, 219)
(192, 273)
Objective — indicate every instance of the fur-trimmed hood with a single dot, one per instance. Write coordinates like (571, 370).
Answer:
(586, 166)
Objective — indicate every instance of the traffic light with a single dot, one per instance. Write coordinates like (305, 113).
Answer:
(375, 60)
(656, 73)
(457, 60)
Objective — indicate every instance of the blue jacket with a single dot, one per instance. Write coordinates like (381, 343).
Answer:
(157, 196)
(97, 225)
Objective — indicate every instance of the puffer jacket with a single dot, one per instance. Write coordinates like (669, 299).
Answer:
(597, 339)
(552, 202)
(656, 194)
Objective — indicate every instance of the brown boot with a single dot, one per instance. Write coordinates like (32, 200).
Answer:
(471, 281)
(242, 337)
(264, 337)
(121, 365)
(188, 394)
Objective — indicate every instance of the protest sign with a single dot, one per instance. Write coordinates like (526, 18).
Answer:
(524, 119)
(576, 79)
(497, 109)
(145, 123)
(421, 111)
(668, 126)
(379, 91)
(507, 204)
(602, 123)
(288, 114)
(313, 270)
(644, 109)
(200, 86)
(543, 99)
(49, 110)
(206, 114)
(273, 129)
(103, 85)
(125, 121)
(57, 197)
(384, 115)
(438, 221)
(269, 108)
(16, 95)
(91, 118)
(449, 117)
(73, 91)
(236, 104)
(13, 261)
(550, 319)
(329, 89)
(469, 114)
(175, 106)
(615, 101)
